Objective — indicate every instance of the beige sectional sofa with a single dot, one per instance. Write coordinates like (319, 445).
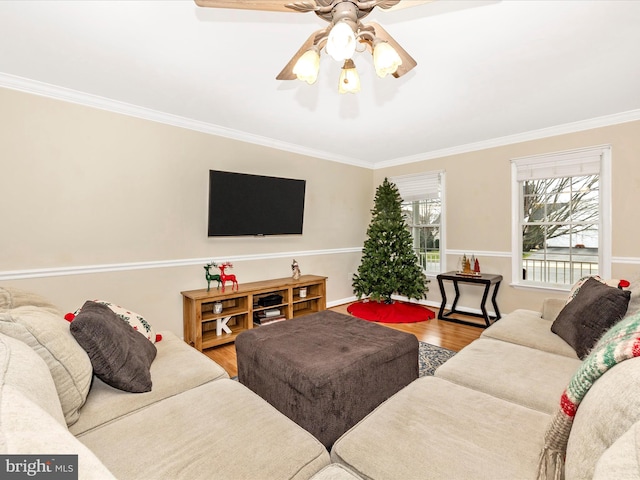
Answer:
(483, 415)
(194, 423)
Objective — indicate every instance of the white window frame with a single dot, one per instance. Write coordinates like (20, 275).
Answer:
(424, 186)
(578, 162)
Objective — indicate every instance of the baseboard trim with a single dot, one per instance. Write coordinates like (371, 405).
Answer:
(342, 301)
(118, 267)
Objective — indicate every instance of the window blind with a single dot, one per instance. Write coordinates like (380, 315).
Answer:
(418, 186)
(572, 164)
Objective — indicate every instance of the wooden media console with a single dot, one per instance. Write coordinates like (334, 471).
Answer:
(205, 328)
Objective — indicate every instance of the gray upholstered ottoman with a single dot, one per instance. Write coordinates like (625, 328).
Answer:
(326, 371)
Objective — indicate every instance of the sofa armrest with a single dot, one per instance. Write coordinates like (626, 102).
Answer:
(551, 308)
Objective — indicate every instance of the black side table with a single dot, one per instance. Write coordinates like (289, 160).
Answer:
(486, 279)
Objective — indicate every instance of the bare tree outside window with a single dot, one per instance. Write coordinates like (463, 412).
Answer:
(560, 228)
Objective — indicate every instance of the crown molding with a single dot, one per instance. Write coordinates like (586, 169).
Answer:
(86, 99)
(604, 121)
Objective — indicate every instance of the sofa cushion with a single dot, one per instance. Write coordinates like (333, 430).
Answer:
(527, 328)
(436, 429)
(335, 471)
(29, 430)
(621, 460)
(120, 356)
(634, 288)
(551, 307)
(31, 419)
(48, 335)
(27, 372)
(13, 298)
(592, 312)
(523, 375)
(176, 368)
(610, 408)
(217, 430)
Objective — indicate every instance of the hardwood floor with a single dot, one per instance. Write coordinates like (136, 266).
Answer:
(436, 332)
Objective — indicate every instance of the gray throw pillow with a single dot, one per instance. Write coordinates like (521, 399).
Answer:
(120, 356)
(595, 309)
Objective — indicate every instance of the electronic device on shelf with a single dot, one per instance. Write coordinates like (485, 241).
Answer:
(269, 300)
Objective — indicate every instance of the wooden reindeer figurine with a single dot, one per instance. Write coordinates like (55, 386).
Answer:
(224, 278)
(209, 277)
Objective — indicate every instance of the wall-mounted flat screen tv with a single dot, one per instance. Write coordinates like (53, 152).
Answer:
(244, 204)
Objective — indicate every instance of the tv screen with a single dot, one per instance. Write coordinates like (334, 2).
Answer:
(243, 204)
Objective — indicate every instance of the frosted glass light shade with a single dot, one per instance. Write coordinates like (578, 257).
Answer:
(341, 43)
(349, 78)
(385, 59)
(307, 66)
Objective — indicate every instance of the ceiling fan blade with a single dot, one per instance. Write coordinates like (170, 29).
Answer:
(386, 4)
(408, 63)
(408, 3)
(264, 5)
(303, 6)
(287, 71)
(280, 5)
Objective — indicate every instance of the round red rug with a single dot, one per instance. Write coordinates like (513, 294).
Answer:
(396, 312)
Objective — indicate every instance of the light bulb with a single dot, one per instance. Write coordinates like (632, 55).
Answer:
(349, 78)
(341, 43)
(307, 66)
(385, 59)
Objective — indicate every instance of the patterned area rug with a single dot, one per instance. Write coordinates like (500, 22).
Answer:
(431, 357)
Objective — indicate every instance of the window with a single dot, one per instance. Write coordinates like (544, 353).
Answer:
(423, 207)
(561, 228)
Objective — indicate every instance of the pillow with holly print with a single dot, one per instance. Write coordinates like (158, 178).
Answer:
(136, 321)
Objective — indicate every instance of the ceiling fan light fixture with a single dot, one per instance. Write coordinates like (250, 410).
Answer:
(341, 43)
(308, 66)
(339, 39)
(385, 59)
(349, 78)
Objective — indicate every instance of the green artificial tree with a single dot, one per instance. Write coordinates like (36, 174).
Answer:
(389, 264)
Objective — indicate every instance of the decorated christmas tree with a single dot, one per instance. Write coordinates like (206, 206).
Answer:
(389, 264)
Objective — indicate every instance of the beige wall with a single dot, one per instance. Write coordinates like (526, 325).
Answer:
(478, 204)
(83, 187)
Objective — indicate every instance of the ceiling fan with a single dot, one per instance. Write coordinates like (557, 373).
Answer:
(340, 38)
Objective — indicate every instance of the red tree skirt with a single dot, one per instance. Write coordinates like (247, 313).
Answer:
(396, 312)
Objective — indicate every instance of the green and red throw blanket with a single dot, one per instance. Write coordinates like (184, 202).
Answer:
(620, 343)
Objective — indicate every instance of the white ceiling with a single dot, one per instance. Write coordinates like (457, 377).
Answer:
(486, 70)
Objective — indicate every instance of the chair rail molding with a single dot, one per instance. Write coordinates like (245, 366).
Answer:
(117, 267)
(478, 253)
